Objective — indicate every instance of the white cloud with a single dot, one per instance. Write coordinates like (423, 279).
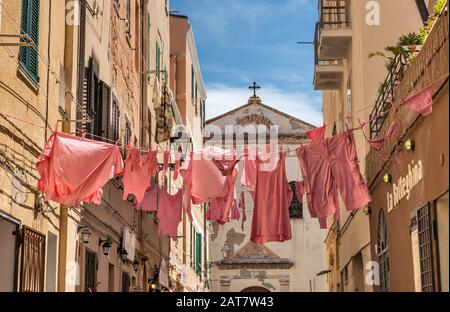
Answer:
(223, 98)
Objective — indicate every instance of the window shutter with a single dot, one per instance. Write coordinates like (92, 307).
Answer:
(90, 104)
(34, 34)
(198, 253)
(28, 56)
(24, 30)
(106, 111)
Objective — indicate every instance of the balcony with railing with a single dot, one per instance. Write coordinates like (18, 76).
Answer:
(328, 75)
(331, 41)
(333, 31)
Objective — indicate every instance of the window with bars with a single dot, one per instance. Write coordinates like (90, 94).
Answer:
(90, 271)
(296, 206)
(425, 249)
(29, 24)
(32, 267)
(382, 251)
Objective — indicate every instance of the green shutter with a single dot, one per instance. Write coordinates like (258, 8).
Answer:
(198, 253)
(191, 249)
(28, 56)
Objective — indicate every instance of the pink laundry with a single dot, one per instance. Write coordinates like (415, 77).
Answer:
(316, 135)
(205, 182)
(169, 213)
(138, 172)
(74, 170)
(273, 196)
(327, 167)
(150, 200)
(421, 102)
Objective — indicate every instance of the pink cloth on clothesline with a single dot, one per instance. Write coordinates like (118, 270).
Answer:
(421, 102)
(273, 195)
(205, 182)
(316, 135)
(150, 200)
(73, 169)
(327, 167)
(138, 172)
(169, 213)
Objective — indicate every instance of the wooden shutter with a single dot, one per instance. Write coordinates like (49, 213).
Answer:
(34, 34)
(198, 253)
(23, 51)
(28, 56)
(106, 111)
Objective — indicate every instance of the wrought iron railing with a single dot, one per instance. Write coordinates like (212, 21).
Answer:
(386, 92)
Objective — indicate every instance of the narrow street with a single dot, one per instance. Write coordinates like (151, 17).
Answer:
(226, 146)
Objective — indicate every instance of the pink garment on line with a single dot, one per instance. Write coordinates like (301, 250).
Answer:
(316, 135)
(205, 182)
(271, 221)
(268, 159)
(421, 102)
(169, 213)
(73, 169)
(138, 172)
(327, 167)
(217, 209)
(150, 200)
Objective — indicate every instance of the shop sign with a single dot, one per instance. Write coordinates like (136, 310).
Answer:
(129, 243)
(405, 184)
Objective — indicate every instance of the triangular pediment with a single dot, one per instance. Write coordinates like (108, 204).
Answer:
(257, 113)
(255, 256)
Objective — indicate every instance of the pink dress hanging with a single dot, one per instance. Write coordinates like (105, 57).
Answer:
(273, 196)
(73, 169)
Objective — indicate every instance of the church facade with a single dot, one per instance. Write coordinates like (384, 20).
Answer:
(238, 265)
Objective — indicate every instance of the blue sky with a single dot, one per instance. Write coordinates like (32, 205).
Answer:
(239, 41)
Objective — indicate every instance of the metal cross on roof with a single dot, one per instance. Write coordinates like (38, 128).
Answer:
(254, 87)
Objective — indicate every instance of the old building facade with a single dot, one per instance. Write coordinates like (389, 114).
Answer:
(347, 33)
(102, 73)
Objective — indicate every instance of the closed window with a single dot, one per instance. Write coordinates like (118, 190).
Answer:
(29, 24)
(382, 251)
(126, 282)
(198, 254)
(115, 118)
(90, 271)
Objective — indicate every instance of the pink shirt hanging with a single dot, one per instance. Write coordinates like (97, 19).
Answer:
(150, 200)
(138, 172)
(73, 169)
(169, 213)
(273, 196)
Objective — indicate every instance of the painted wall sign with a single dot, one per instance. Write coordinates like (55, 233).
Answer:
(405, 184)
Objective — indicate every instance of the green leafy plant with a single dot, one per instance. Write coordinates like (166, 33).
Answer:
(389, 55)
(411, 39)
(438, 6)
